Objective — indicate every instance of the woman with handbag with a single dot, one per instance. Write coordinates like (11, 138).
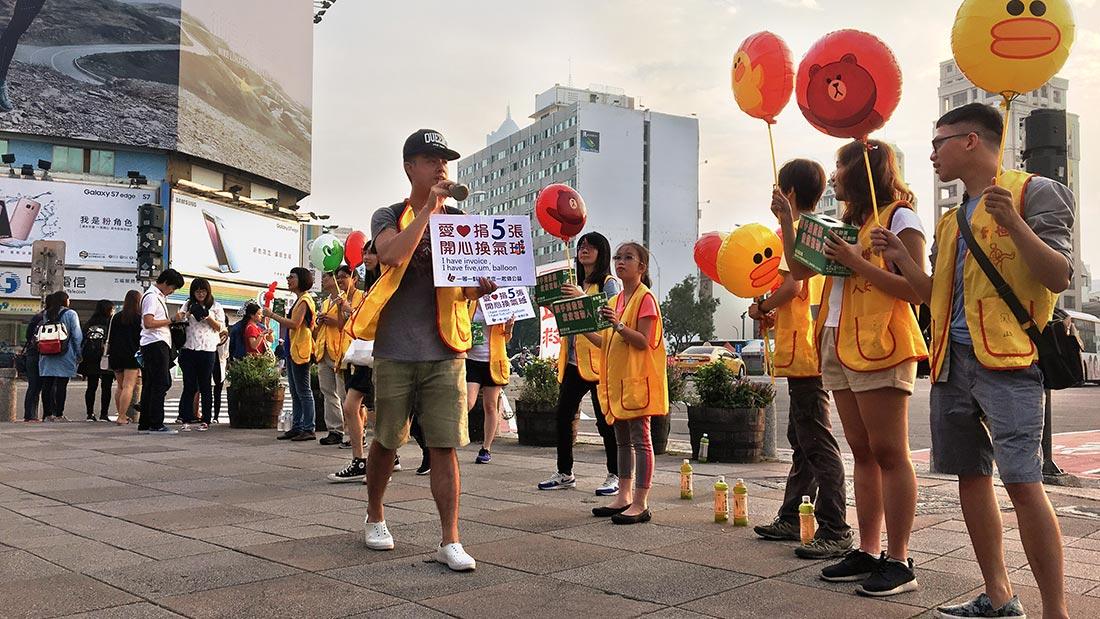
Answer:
(57, 365)
(205, 321)
(123, 344)
(93, 353)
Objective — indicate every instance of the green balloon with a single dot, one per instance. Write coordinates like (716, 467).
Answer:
(334, 257)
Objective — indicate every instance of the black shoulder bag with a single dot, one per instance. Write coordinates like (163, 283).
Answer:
(1058, 345)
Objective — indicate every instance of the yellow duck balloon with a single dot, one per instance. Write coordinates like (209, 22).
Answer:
(748, 261)
(1011, 47)
(746, 81)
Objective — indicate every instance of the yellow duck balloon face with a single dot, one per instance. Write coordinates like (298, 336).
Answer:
(748, 261)
(746, 82)
(1012, 46)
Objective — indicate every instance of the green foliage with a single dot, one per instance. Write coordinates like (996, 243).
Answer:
(253, 373)
(677, 383)
(540, 384)
(718, 387)
(687, 317)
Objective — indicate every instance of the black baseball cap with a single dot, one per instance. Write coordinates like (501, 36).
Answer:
(428, 142)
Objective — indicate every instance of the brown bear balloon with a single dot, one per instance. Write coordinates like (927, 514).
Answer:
(561, 211)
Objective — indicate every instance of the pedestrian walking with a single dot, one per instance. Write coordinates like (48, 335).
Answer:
(487, 372)
(633, 386)
(156, 351)
(59, 365)
(579, 370)
(987, 391)
(817, 470)
(123, 346)
(199, 355)
(92, 352)
(299, 321)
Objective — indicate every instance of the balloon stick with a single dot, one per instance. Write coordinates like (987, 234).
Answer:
(871, 181)
(775, 168)
(1004, 134)
(769, 362)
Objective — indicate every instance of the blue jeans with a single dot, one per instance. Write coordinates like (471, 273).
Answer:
(301, 396)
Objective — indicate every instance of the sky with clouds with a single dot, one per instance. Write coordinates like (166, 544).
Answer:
(384, 69)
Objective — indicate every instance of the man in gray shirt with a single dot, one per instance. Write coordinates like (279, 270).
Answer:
(987, 394)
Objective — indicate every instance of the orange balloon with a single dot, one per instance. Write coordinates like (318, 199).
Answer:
(706, 254)
(762, 76)
(748, 261)
(848, 84)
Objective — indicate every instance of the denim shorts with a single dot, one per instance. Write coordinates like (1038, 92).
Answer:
(436, 390)
(982, 416)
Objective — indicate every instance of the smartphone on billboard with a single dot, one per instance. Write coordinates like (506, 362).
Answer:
(23, 216)
(5, 223)
(215, 229)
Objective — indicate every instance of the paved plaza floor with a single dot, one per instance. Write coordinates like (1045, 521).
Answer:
(99, 521)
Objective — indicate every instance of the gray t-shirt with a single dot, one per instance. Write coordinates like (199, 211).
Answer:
(611, 288)
(408, 326)
(479, 352)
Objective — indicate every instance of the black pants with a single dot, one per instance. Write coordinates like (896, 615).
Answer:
(816, 470)
(572, 390)
(24, 13)
(94, 382)
(34, 390)
(54, 390)
(198, 375)
(219, 384)
(155, 383)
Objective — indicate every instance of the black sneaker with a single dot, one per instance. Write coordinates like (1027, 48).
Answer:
(424, 468)
(356, 471)
(397, 463)
(289, 434)
(824, 548)
(333, 438)
(890, 577)
(778, 530)
(855, 566)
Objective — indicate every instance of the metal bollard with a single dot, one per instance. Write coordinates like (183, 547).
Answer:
(8, 377)
(770, 449)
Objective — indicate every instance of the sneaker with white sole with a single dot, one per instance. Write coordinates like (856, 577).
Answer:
(558, 481)
(982, 606)
(454, 557)
(397, 463)
(609, 487)
(377, 535)
(356, 471)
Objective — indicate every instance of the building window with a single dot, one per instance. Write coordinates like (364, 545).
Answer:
(1058, 96)
(67, 159)
(101, 162)
(958, 100)
(3, 146)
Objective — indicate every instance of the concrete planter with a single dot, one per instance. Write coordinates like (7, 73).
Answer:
(537, 425)
(735, 435)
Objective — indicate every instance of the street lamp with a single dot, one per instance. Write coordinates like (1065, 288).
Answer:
(743, 314)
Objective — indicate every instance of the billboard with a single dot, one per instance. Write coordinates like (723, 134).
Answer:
(97, 222)
(227, 81)
(219, 242)
(81, 284)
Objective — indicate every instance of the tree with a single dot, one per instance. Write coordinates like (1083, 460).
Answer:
(686, 316)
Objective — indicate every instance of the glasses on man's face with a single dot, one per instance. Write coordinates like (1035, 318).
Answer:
(938, 142)
(623, 258)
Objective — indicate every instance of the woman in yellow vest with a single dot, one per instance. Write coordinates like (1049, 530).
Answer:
(634, 385)
(330, 342)
(300, 352)
(870, 344)
(579, 370)
(487, 371)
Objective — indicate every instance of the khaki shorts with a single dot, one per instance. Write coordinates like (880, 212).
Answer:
(435, 390)
(836, 377)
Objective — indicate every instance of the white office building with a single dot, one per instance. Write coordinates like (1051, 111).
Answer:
(637, 170)
(956, 91)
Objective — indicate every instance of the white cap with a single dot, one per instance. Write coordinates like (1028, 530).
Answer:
(805, 498)
(686, 461)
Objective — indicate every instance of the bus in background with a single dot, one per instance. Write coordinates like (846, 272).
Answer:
(1088, 327)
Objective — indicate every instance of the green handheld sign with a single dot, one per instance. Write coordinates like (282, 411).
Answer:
(809, 244)
(580, 314)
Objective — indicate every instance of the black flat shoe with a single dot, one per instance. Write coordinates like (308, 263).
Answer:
(621, 519)
(607, 512)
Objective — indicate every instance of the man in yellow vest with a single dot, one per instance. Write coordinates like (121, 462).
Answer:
(421, 334)
(987, 391)
(817, 470)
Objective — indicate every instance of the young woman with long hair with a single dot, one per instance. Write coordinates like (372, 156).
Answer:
(205, 322)
(299, 320)
(579, 369)
(95, 346)
(123, 343)
(870, 345)
(56, 370)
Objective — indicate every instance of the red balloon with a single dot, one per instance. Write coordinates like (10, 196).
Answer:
(848, 84)
(762, 76)
(353, 248)
(561, 211)
(270, 294)
(706, 254)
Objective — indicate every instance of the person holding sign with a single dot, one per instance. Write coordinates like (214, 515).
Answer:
(869, 345)
(579, 369)
(487, 370)
(421, 334)
(634, 386)
(987, 392)
(299, 320)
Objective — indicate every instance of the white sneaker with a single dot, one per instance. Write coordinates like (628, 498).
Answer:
(558, 481)
(610, 486)
(454, 557)
(377, 535)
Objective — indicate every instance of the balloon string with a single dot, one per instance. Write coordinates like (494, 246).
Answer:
(1004, 135)
(871, 181)
(775, 168)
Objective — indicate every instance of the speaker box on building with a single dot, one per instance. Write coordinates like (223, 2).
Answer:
(1050, 164)
(1045, 129)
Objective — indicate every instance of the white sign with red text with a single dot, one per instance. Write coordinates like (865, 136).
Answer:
(466, 248)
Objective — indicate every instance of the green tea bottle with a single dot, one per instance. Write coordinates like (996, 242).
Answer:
(721, 500)
(806, 519)
(686, 486)
(740, 504)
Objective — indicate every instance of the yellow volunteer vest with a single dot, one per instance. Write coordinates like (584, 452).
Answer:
(1000, 343)
(301, 339)
(500, 367)
(877, 331)
(634, 383)
(332, 341)
(588, 355)
(452, 312)
(795, 345)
